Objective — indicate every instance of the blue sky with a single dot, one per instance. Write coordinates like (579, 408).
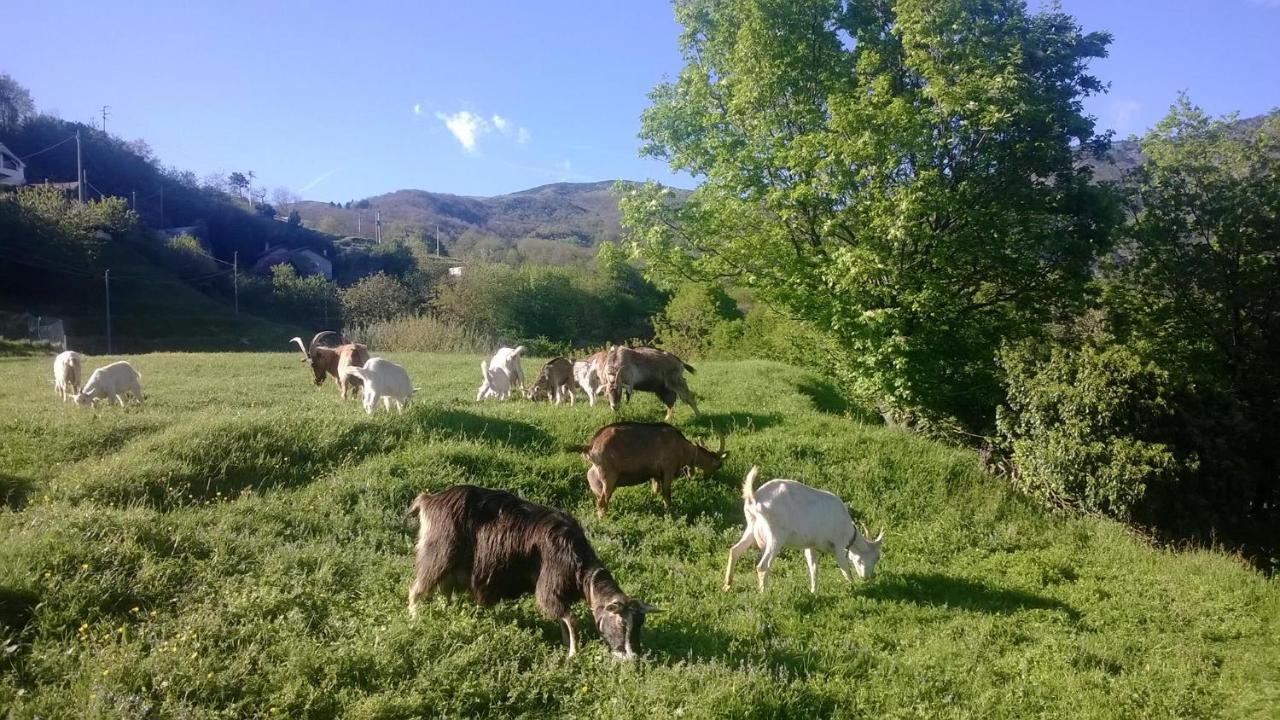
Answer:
(339, 101)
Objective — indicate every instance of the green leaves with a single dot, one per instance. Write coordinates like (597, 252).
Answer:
(900, 172)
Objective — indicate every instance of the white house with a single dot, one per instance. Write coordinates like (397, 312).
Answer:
(12, 169)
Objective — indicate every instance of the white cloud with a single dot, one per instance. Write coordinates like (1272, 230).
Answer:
(469, 127)
(1123, 115)
(417, 108)
(466, 126)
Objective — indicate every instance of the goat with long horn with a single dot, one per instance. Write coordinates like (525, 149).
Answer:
(333, 361)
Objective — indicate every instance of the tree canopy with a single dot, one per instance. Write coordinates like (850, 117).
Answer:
(901, 174)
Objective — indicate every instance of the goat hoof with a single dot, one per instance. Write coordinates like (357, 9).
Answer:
(725, 588)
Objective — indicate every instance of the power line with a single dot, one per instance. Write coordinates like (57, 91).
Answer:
(60, 142)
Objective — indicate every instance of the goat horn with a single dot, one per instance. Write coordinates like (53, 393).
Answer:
(721, 448)
(879, 536)
(305, 354)
(321, 334)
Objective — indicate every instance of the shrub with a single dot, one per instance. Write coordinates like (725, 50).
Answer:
(698, 318)
(375, 298)
(1079, 422)
(420, 333)
(185, 256)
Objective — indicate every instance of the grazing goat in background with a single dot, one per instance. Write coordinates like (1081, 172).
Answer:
(497, 546)
(496, 383)
(509, 359)
(66, 374)
(632, 453)
(386, 380)
(786, 513)
(587, 374)
(333, 361)
(111, 382)
(555, 380)
(649, 370)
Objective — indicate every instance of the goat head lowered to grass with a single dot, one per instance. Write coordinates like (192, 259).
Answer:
(335, 361)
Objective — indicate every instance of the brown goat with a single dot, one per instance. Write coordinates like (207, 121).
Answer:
(632, 453)
(647, 369)
(499, 547)
(555, 380)
(334, 361)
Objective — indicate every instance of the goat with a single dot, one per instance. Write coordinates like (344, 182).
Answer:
(786, 513)
(632, 453)
(498, 546)
(497, 383)
(587, 374)
(66, 374)
(509, 359)
(649, 370)
(112, 382)
(555, 380)
(386, 380)
(333, 361)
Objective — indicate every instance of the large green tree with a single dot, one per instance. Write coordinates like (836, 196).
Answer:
(900, 173)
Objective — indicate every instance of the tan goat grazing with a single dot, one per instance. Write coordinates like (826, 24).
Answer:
(633, 453)
(335, 361)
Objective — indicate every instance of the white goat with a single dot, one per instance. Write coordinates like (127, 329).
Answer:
(112, 382)
(508, 361)
(584, 372)
(384, 379)
(497, 383)
(66, 374)
(786, 513)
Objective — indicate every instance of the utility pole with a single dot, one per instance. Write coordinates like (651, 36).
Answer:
(437, 239)
(106, 279)
(251, 176)
(105, 110)
(135, 201)
(79, 169)
(359, 223)
(235, 278)
(377, 226)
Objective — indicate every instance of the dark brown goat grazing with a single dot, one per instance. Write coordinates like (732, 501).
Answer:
(632, 453)
(334, 360)
(498, 547)
(649, 370)
(555, 380)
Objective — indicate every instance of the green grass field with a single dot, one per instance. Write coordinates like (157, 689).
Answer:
(236, 548)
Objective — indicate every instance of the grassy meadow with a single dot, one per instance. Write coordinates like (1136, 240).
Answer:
(236, 548)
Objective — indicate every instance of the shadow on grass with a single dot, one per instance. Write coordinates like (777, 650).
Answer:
(827, 399)
(944, 591)
(14, 491)
(669, 640)
(463, 425)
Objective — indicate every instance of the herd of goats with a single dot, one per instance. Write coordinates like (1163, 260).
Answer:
(493, 545)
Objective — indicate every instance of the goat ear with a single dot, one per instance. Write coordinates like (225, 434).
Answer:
(646, 608)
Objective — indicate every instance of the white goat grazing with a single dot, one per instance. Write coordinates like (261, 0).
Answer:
(112, 382)
(384, 379)
(497, 383)
(66, 374)
(785, 513)
(509, 359)
(584, 372)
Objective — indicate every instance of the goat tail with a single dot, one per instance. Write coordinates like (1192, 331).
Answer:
(748, 494)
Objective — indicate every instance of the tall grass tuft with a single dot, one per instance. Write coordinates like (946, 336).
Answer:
(420, 333)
